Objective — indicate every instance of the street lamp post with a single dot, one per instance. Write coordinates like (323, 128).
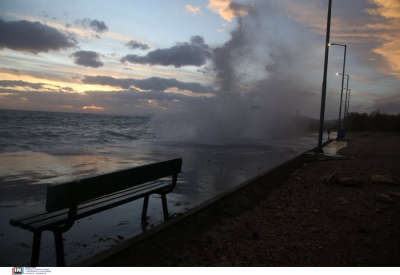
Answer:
(323, 95)
(341, 91)
(345, 108)
(348, 104)
(340, 109)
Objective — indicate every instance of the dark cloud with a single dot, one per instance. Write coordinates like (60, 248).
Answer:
(152, 83)
(12, 71)
(96, 25)
(108, 81)
(87, 59)
(33, 37)
(194, 53)
(134, 95)
(38, 74)
(90, 97)
(41, 98)
(19, 83)
(68, 89)
(55, 98)
(136, 45)
(162, 84)
(36, 86)
(129, 101)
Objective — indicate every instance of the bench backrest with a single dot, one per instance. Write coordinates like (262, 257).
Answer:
(65, 195)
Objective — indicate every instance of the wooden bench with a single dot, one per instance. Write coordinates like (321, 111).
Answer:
(68, 202)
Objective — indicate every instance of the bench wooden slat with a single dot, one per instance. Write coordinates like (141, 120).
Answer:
(60, 196)
(71, 201)
(24, 222)
(49, 223)
(46, 214)
(156, 184)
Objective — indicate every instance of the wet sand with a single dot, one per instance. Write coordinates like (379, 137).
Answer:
(293, 216)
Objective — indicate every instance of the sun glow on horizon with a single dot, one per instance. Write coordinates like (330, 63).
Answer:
(93, 107)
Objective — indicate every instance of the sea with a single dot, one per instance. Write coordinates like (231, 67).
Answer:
(40, 148)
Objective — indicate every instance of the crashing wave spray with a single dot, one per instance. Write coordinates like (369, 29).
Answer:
(256, 76)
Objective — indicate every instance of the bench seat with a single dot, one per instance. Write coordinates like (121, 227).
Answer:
(47, 220)
(71, 201)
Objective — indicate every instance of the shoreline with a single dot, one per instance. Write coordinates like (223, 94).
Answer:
(114, 251)
(206, 174)
(289, 217)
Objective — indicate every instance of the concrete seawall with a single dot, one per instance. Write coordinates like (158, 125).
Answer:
(232, 202)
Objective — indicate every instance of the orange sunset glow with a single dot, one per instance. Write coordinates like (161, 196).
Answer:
(93, 107)
(104, 62)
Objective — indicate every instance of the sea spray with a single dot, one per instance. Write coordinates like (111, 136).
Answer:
(257, 78)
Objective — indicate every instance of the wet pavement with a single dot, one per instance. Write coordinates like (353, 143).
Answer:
(208, 170)
(332, 148)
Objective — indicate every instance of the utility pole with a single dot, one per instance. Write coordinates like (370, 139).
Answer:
(341, 126)
(323, 96)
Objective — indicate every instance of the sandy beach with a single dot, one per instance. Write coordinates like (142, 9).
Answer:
(311, 211)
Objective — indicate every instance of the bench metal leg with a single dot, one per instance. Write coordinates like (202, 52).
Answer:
(145, 205)
(36, 249)
(59, 248)
(165, 207)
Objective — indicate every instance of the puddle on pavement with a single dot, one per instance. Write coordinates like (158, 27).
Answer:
(333, 147)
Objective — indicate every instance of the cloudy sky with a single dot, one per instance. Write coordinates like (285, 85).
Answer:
(154, 57)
